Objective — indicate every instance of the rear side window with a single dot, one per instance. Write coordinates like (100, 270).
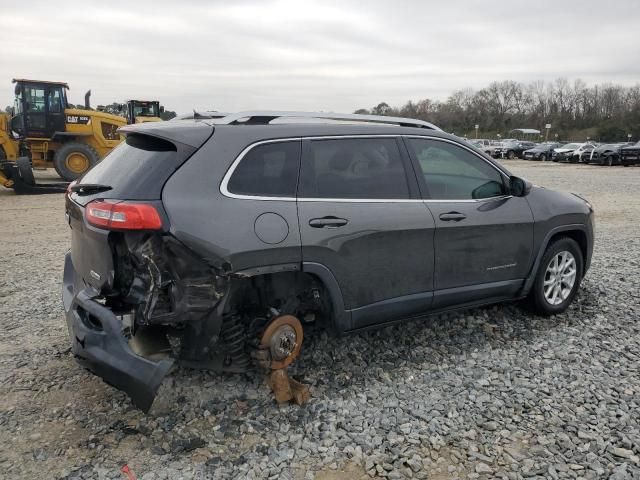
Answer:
(268, 170)
(367, 168)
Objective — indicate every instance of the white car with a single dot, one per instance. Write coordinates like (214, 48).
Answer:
(573, 152)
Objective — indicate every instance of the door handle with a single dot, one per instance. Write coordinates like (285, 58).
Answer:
(329, 222)
(452, 216)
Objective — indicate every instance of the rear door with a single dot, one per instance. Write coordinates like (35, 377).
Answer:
(360, 217)
(484, 236)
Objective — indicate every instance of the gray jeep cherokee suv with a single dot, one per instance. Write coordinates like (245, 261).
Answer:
(192, 238)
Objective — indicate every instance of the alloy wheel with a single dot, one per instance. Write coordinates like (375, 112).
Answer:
(559, 278)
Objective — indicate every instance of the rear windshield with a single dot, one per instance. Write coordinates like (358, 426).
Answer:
(136, 169)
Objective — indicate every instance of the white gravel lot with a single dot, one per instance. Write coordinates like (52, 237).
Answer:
(487, 393)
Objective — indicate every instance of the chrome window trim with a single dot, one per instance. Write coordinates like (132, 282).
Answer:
(473, 200)
(224, 190)
(224, 185)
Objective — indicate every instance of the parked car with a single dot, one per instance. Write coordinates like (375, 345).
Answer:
(512, 149)
(630, 155)
(224, 231)
(572, 152)
(204, 115)
(484, 145)
(607, 154)
(490, 149)
(541, 151)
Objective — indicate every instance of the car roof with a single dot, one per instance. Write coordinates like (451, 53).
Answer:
(191, 131)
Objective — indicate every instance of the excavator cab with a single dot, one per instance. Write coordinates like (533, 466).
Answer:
(39, 108)
(141, 111)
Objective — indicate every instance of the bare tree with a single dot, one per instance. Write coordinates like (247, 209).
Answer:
(573, 108)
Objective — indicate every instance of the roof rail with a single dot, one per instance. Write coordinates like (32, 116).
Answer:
(264, 117)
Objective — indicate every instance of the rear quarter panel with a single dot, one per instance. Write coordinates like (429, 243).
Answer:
(222, 229)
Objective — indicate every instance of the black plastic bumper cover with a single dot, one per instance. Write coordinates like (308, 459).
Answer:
(100, 346)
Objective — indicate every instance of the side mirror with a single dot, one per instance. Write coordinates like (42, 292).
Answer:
(519, 187)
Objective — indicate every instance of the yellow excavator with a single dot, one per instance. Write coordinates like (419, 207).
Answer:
(9, 146)
(142, 111)
(52, 133)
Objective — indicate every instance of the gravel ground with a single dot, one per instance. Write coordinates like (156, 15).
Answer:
(486, 393)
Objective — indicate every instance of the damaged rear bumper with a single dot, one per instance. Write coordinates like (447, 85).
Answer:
(99, 344)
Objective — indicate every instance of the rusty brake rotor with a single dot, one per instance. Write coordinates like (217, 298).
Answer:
(283, 338)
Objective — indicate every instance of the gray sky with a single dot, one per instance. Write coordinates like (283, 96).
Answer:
(311, 55)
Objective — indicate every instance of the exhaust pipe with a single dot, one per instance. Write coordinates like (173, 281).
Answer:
(87, 103)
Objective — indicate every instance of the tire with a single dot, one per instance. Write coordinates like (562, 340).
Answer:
(25, 172)
(74, 159)
(511, 155)
(543, 157)
(541, 303)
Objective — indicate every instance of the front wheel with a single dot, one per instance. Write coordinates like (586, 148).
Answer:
(543, 157)
(558, 277)
(74, 159)
(511, 155)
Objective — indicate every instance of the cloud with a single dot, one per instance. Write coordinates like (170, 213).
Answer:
(311, 55)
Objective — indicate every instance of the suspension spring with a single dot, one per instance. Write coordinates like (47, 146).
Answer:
(234, 339)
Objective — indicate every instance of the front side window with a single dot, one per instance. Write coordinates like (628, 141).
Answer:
(267, 170)
(34, 98)
(54, 101)
(353, 168)
(453, 173)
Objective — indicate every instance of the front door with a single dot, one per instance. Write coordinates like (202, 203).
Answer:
(55, 110)
(43, 110)
(35, 111)
(484, 236)
(360, 218)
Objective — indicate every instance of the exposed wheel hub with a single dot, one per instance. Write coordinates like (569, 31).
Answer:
(283, 342)
(283, 338)
(279, 346)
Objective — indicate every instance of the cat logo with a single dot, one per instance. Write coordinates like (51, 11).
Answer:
(79, 119)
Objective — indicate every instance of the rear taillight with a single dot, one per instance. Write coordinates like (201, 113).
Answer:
(119, 215)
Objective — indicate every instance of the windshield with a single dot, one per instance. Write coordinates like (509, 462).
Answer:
(138, 159)
(572, 146)
(145, 109)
